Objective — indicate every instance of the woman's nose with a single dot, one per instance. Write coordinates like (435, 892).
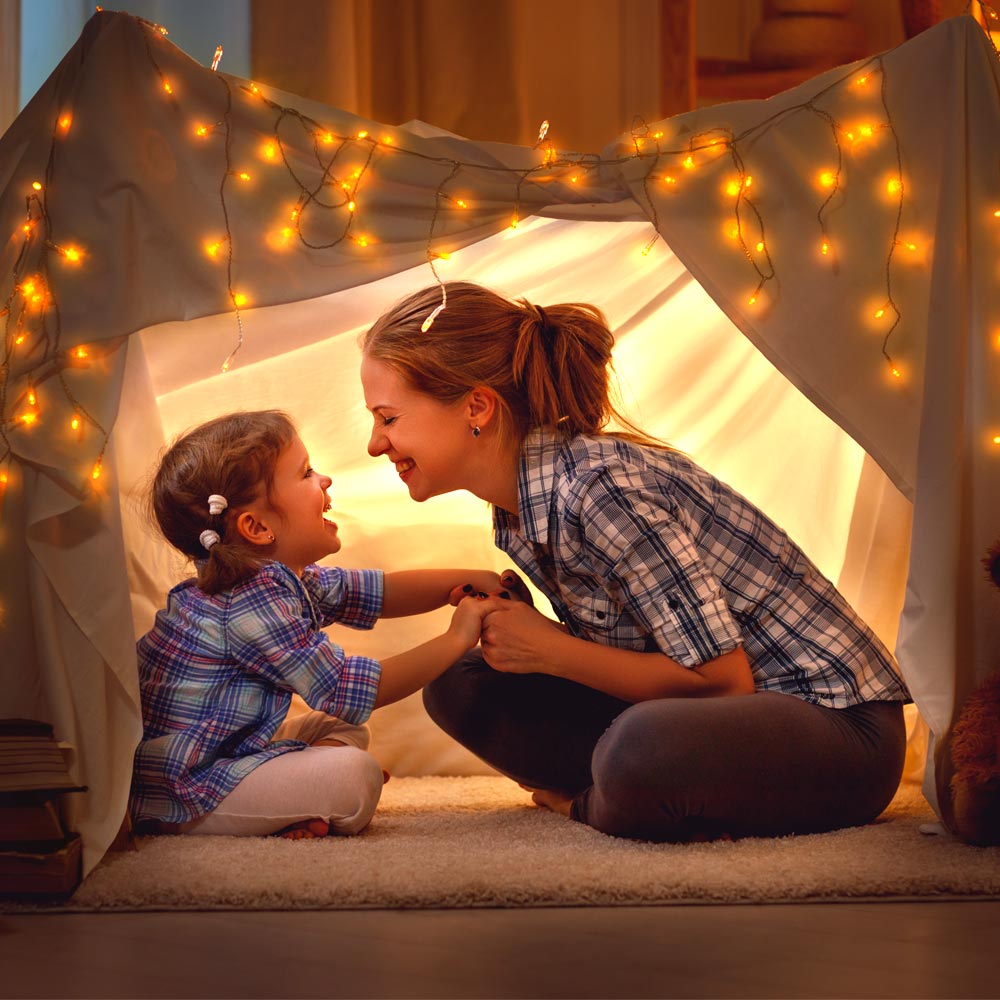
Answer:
(376, 443)
(325, 481)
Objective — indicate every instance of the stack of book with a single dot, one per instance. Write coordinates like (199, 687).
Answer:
(38, 855)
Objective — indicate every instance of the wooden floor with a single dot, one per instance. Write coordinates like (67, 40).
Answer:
(912, 950)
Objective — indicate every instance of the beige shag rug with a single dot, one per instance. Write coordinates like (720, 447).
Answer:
(478, 841)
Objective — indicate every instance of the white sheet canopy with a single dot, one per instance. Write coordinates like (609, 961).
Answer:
(849, 391)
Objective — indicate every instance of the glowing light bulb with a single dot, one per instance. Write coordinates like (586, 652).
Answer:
(824, 247)
(363, 134)
(733, 188)
(442, 255)
(688, 163)
(895, 372)
(657, 135)
(880, 312)
(747, 181)
(733, 232)
(760, 246)
(73, 254)
(75, 422)
(80, 353)
(894, 185)
(827, 178)
(243, 175)
(574, 179)
(326, 138)
(216, 58)
(351, 206)
(514, 221)
(362, 241)
(212, 248)
(996, 438)
(36, 185)
(254, 89)
(32, 398)
(29, 419)
(861, 81)
(95, 472)
(201, 130)
(752, 300)
(461, 204)
(167, 87)
(239, 300)
(269, 151)
(64, 123)
(668, 180)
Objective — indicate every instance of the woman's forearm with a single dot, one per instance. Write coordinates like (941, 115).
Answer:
(635, 677)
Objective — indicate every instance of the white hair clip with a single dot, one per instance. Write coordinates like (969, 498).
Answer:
(217, 504)
(208, 538)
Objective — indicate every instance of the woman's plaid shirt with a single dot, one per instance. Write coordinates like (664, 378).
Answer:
(216, 676)
(637, 547)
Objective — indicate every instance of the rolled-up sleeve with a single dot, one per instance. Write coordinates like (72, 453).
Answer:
(351, 597)
(638, 545)
(271, 635)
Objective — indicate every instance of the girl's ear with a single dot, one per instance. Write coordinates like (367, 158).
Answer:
(253, 529)
(481, 405)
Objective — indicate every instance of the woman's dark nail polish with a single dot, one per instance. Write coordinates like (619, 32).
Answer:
(505, 595)
(467, 589)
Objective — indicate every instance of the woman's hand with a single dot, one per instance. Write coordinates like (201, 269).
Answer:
(490, 584)
(516, 638)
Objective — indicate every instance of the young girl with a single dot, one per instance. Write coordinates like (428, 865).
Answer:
(218, 669)
(705, 678)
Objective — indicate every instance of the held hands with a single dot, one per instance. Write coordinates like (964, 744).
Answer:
(517, 639)
(472, 605)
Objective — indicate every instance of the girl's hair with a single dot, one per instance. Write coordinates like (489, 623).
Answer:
(233, 456)
(550, 366)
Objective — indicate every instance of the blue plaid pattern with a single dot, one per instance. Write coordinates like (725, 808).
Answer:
(640, 548)
(216, 675)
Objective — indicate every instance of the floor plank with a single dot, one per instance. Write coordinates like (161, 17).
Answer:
(912, 950)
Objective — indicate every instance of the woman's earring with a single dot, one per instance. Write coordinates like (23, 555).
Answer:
(476, 431)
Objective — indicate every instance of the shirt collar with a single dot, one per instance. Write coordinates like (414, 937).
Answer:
(536, 479)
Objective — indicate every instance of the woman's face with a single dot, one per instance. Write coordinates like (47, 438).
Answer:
(429, 442)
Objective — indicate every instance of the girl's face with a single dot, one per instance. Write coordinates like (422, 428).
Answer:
(302, 535)
(429, 442)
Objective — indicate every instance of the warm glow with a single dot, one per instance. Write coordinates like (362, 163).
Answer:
(36, 185)
(351, 206)
(461, 204)
(32, 398)
(64, 122)
(95, 473)
(28, 419)
(212, 247)
(75, 422)
(243, 175)
(201, 130)
(733, 188)
(827, 178)
(80, 353)
(688, 162)
(513, 222)
(760, 246)
(269, 151)
(73, 254)
(667, 179)
(363, 134)
(996, 438)
(824, 247)
(326, 138)
(894, 185)
(362, 241)
(239, 299)
(880, 312)
(752, 300)
(167, 87)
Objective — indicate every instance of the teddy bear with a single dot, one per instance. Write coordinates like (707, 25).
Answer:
(967, 759)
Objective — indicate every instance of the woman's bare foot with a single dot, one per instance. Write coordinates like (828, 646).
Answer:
(308, 829)
(558, 802)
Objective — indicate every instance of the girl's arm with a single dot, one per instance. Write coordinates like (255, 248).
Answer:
(408, 672)
(517, 639)
(412, 592)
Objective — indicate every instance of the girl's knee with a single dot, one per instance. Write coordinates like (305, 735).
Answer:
(356, 791)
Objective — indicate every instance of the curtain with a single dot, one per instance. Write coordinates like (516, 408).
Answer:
(491, 70)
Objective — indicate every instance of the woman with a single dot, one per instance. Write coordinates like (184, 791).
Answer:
(704, 678)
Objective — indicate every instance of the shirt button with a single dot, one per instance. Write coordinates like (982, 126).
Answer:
(600, 616)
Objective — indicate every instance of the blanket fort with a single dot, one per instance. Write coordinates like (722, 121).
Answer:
(172, 227)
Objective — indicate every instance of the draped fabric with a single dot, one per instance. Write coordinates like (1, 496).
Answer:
(840, 424)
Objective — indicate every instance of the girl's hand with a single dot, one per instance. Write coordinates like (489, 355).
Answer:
(517, 639)
(467, 620)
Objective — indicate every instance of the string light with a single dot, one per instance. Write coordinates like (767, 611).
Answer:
(216, 58)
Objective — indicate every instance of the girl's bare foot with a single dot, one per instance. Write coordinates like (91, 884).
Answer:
(558, 802)
(308, 829)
